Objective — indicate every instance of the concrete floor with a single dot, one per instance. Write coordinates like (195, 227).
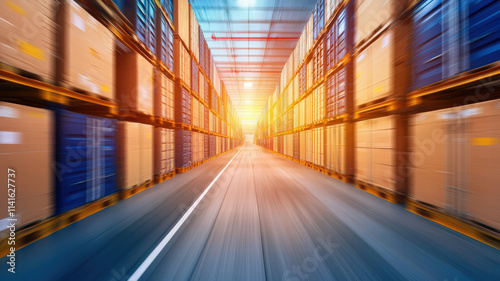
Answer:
(265, 218)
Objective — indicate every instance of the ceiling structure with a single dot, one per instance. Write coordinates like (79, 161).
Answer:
(251, 40)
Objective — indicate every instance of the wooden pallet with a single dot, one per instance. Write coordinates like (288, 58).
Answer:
(182, 170)
(373, 102)
(340, 176)
(43, 99)
(380, 106)
(127, 193)
(136, 116)
(44, 228)
(29, 89)
(337, 119)
(75, 89)
(183, 126)
(377, 191)
(467, 227)
(164, 121)
(24, 73)
(465, 79)
(163, 177)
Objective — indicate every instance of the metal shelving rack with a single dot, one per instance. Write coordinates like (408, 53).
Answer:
(20, 88)
(401, 104)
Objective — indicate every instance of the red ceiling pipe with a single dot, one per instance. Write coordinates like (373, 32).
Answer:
(251, 71)
(232, 38)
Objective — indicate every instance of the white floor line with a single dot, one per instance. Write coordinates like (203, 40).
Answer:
(149, 260)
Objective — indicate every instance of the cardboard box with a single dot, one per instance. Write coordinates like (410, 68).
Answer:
(375, 152)
(134, 83)
(146, 154)
(484, 152)
(164, 97)
(28, 36)
(26, 146)
(374, 70)
(454, 159)
(182, 65)
(181, 19)
(195, 35)
(372, 15)
(363, 164)
(130, 153)
(86, 52)
(383, 175)
(136, 153)
(335, 148)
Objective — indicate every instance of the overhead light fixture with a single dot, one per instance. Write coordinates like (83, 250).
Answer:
(246, 3)
(247, 101)
(247, 85)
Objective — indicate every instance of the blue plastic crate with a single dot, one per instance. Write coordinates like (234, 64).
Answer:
(212, 146)
(183, 153)
(483, 32)
(318, 18)
(206, 147)
(168, 6)
(85, 159)
(451, 37)
(194, 77)
(142, 15)
(166, 44)
(428, 43)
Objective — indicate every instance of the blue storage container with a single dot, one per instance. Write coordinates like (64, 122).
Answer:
(213, 100)
(428, 43)
(341, 29)
(318, 18)
(330, 47)
(183, 140)
(183, 106)
(212, 146)
(483, 32)
(165, 48)
(330, 97)
(336, 40)
(141, 13)
(451, 37)
(341, 91)
(206, 147)
(168, 6)
(85, 159)
(208, 59)
(296, 145)
(206, 119)
(201, 48)
(302, 79)
(206, 96)
(204, 59)
(195, 86)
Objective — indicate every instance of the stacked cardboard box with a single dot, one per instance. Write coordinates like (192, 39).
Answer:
(26, 148)
(28, 36)
(86, 52)
(134, 82)
(135, 153)
(375, 150)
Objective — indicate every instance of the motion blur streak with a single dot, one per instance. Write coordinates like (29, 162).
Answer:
(265, 218)
(177, 226)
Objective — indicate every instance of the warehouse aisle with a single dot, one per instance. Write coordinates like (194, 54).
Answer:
(265, 218)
